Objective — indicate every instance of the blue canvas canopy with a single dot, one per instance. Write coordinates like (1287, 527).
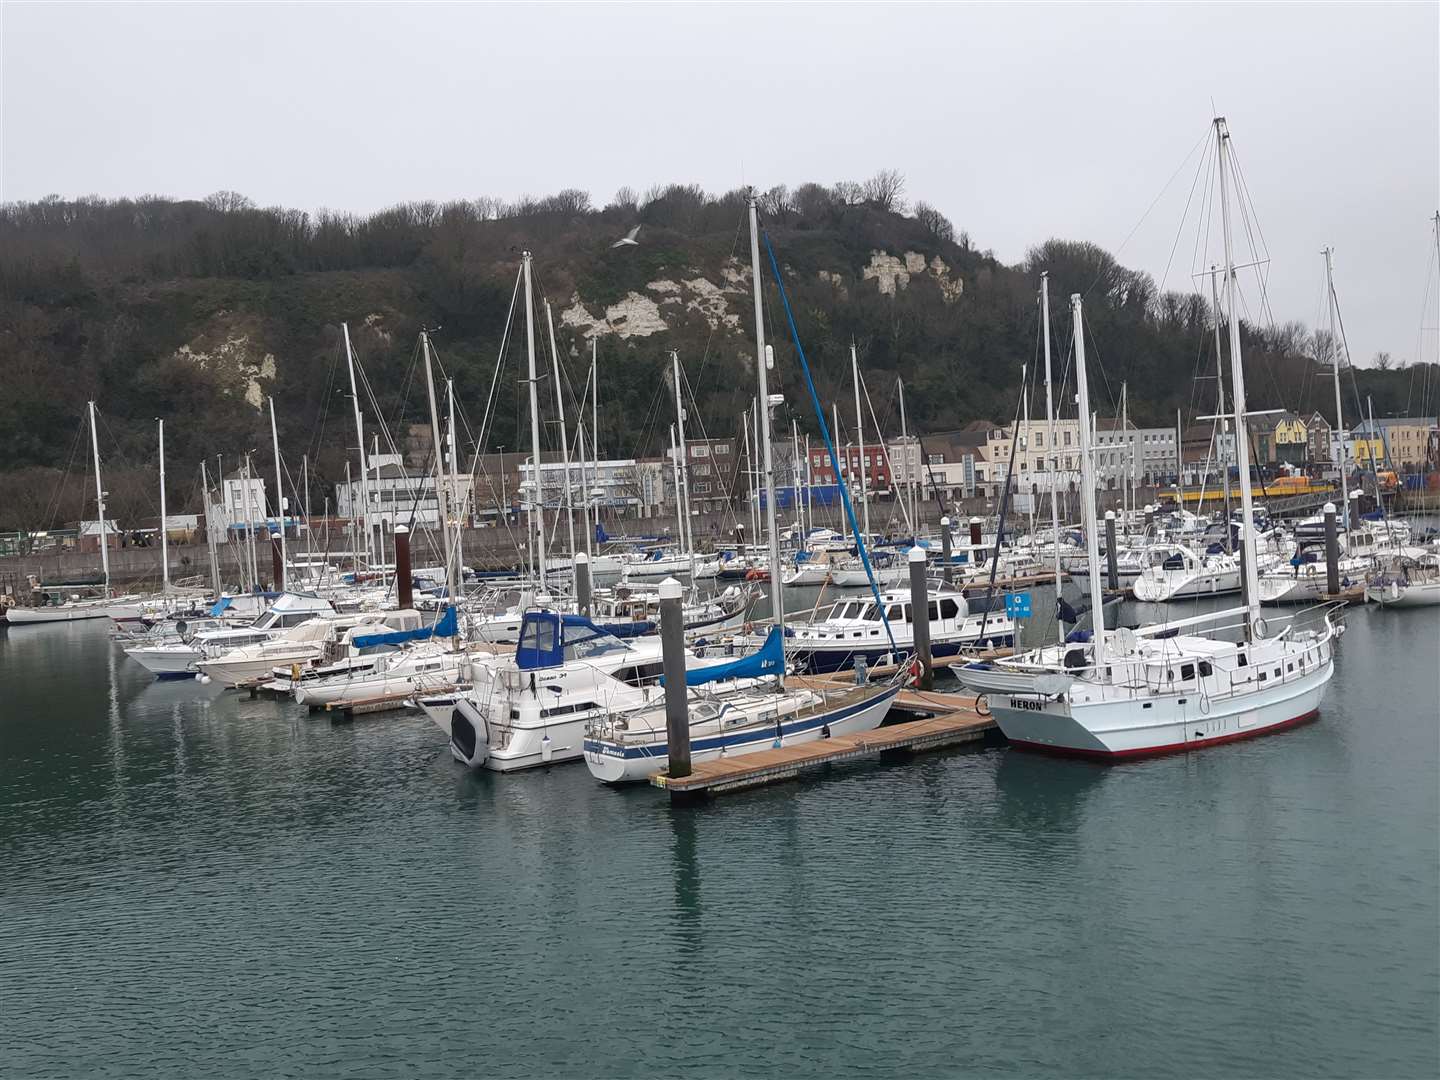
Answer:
(446, 626)
(769, 659)
(548, 639)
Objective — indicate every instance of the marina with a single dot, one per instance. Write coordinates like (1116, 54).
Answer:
(799, 580)
(220, 831)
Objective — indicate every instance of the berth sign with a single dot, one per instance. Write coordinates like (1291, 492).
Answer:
(1017, 605)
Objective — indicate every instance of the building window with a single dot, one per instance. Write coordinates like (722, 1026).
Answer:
(699, 451)
(721, 449)
(1067, 438)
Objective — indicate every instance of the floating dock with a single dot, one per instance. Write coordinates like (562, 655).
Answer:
(952, 720)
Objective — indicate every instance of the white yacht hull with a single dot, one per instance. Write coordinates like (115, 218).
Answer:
(18, 616)
(1414, 594)
(166, 662)
(1113, 729)
(857, 579)
(608, 763)
(435, 675)
(523, 748)
(1179, 585)
(235, 672)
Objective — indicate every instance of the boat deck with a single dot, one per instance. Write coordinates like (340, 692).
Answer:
(952, 720)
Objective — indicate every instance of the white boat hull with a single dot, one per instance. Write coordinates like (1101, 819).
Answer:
(1398, 595)
(166, 662)
(235, 672)
(1112, 729)
(18, 616)
(608, 763)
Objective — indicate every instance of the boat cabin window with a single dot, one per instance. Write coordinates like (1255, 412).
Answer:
(1187, 672)
(949, 609)
(1205, 668)
(871, 613)
(586, 641)
(295, 618)
(266, 621)
(934, 611)
(1242, 660)
(539, 634)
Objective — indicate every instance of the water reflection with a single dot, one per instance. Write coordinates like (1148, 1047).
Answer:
(686, 876)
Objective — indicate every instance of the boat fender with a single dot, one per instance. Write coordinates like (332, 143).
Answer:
(1262, 628)
(915, 672)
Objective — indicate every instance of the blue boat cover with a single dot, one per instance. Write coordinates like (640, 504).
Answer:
(446, 626)
(220, 606)
(769, 659)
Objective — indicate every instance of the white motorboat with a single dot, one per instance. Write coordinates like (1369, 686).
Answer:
(176, 657)
(1181, 574)
(531, 709)
(299, 646)
(854, 630)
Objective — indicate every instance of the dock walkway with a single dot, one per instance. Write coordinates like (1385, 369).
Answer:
(952, 720)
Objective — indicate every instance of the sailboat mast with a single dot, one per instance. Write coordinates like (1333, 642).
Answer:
(749, 471)
(679, 483)
(537, 500)
(442, 497)
(363, 518)
(682, 463)
(1220, 402)
(762, 362)
(305, 491)
(1335, 371)
(458, 502)
(795, 470)
(1250, 566)
(164, 535)
(100, 501)
(279, 493)
(1087, 493)
(585, 493)
(908, 493)
(210, 529)
(564, 431)
(1050, 442)
(860, 436)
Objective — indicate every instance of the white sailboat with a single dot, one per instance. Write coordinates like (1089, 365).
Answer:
(1157, 690)
(733, 708)
(106, 606)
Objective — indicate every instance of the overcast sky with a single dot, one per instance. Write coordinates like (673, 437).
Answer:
(1019, 122)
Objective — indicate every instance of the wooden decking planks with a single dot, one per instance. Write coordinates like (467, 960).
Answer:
(955, 721)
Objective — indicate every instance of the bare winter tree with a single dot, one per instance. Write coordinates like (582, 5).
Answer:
(1382, 361)
(229, 202)
(627, 199)
(885, 189)
(936, 223)
(849, 193)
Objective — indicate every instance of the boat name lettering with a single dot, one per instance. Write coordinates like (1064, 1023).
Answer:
(1027, 703)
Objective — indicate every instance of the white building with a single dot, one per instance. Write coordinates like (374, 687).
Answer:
(242, 502)
(618, 484)
(397, 495)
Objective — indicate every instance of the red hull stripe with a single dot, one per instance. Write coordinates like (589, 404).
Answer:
(1155, 751)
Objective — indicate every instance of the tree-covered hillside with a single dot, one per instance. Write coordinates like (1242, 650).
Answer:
(196, 311)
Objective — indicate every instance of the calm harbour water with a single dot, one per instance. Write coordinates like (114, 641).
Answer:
(198, 885)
